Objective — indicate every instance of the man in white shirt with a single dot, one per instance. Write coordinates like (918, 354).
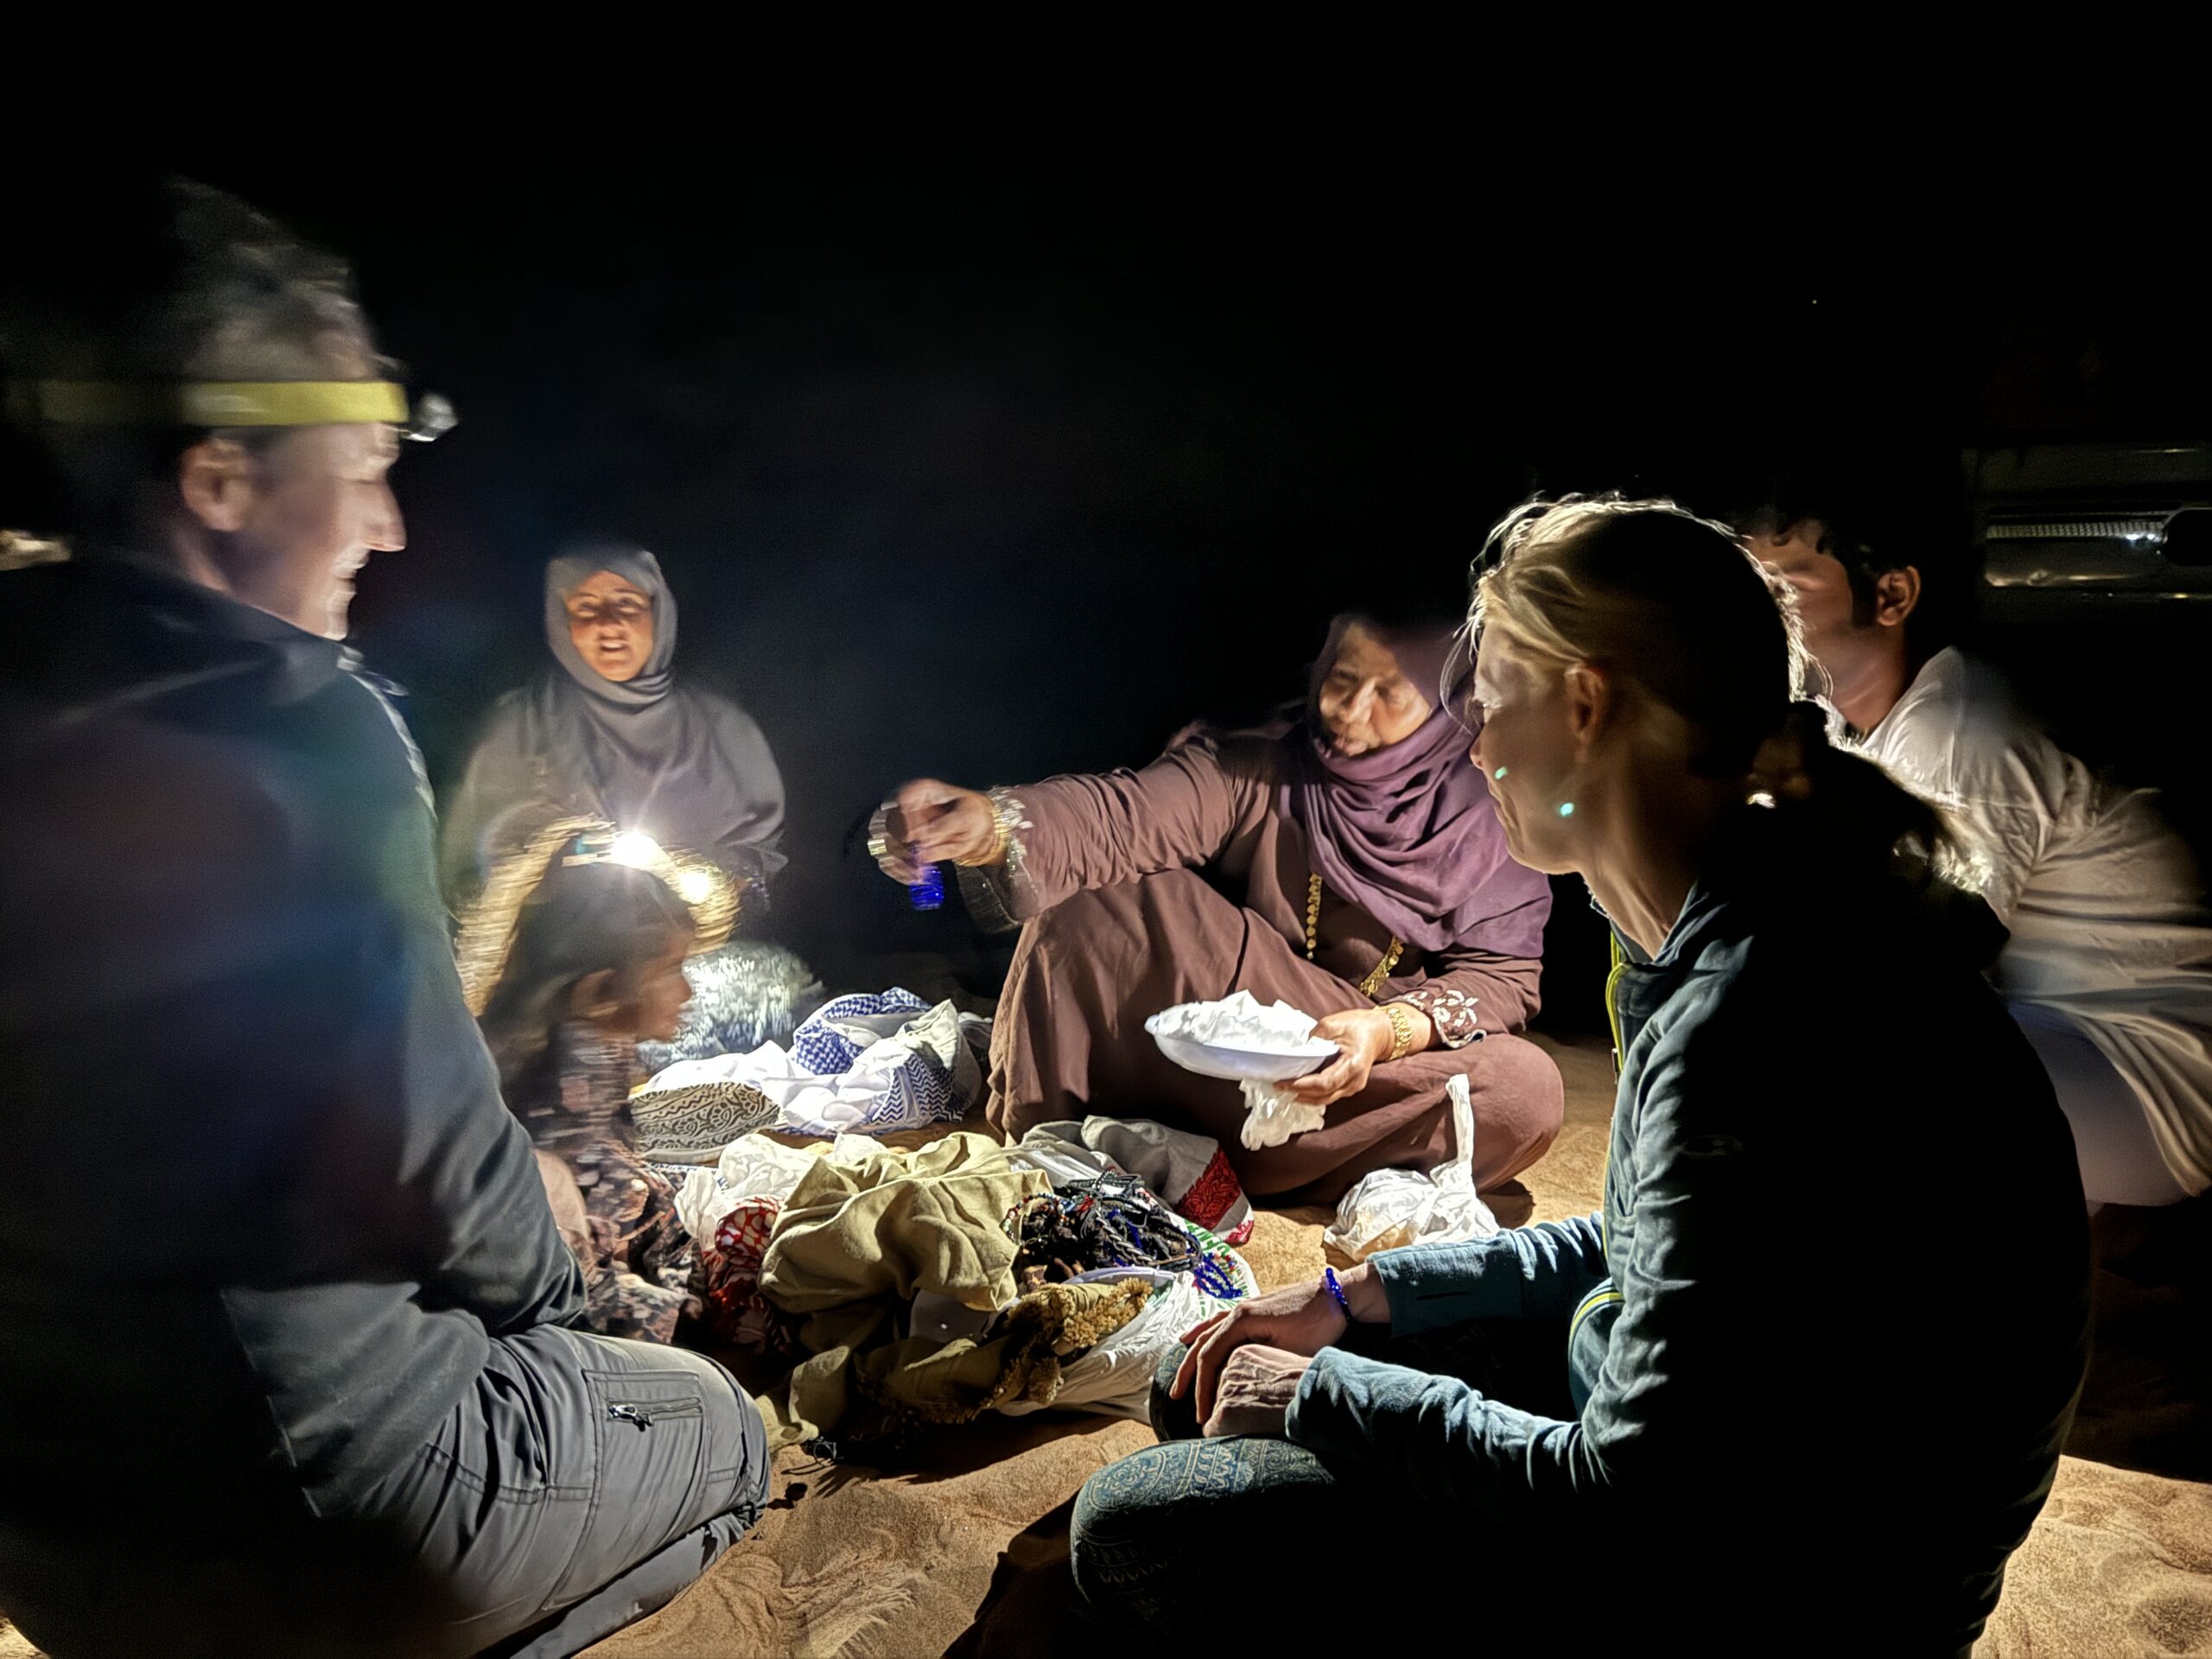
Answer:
(2108, 969)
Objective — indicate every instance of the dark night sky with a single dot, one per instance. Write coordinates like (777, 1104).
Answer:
(986, 468)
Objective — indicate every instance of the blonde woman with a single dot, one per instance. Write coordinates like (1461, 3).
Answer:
(1686, 1411)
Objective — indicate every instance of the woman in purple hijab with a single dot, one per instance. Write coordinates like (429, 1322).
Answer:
(1349, 863)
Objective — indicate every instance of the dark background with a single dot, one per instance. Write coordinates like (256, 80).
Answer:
(975, 464)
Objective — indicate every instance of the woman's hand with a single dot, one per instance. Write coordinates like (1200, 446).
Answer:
(928, 822)
(1257, 1386)
(1365, 1038)
(1299, 1319)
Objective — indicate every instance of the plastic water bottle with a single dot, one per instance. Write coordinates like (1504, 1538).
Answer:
(927, 890)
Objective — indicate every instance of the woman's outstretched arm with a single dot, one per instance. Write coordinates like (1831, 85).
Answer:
(1097, 829)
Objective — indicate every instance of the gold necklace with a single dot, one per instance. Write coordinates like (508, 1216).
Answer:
(1373, 982)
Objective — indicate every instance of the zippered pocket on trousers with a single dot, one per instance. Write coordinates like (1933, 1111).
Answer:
(642, 1414)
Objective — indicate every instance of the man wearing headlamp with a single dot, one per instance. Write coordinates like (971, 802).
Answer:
(285, 1362)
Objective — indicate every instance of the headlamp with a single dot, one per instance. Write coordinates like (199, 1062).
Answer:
(711, 894)
(243, 403)
(433, 418)
(487, 931)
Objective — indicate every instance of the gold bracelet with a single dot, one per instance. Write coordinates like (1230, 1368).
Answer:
(1006, 818)
(1402, 1025)
(998, 846)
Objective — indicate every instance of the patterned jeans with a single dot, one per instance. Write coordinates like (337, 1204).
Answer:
(1215, 1540)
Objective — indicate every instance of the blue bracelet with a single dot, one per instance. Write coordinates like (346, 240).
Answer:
(1329, 1282)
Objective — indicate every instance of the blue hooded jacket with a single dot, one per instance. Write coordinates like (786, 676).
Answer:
(1827, 1333)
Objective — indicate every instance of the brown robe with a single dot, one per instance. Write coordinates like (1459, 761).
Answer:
(1182, 883)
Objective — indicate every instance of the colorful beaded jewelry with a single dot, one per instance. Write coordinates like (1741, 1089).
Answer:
(1328, 1281)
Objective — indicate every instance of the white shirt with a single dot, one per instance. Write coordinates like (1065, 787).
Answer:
(2104, 903)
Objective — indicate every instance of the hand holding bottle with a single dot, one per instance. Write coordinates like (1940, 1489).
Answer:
(929, 822)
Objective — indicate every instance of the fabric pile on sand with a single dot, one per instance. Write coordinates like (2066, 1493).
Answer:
(962, 1546)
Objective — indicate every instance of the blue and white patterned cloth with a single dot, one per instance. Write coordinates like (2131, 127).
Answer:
(919, 1062)
(825, 1044)
(866, 1064)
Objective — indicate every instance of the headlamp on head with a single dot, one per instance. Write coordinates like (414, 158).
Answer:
(487, 930)
(640, 852)
(240, 403)
(433, 418)
(710, 893)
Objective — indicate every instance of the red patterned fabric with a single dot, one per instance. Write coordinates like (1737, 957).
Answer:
(1213, 1194)
(741, 1241)
(735, 1308)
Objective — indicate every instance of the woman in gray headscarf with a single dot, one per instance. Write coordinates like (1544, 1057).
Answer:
(611, 732)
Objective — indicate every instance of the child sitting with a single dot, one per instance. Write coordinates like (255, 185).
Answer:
(595, 965)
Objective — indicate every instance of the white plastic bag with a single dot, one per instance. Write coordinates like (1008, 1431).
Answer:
(1115, 1378)
(1393, 1207)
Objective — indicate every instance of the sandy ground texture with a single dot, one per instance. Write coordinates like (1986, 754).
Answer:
(963, 1547)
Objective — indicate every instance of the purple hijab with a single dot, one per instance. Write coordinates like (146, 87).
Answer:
(1408, 833)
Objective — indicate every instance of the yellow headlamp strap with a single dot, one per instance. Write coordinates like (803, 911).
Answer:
(223, 402)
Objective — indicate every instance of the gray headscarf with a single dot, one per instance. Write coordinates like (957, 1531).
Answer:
(564, 575)
(684, 765)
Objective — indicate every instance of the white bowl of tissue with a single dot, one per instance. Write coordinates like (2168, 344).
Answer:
(1241, 1039)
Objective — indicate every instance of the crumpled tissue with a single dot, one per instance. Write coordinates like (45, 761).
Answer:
(1271, 1117)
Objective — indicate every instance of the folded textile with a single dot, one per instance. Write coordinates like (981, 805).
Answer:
(1057, 1150)
(870, 1231)
(861, 1235)
(897, 1223)
(869, 1063)
(1089, 1344)
(691, 1125)
(736, 1311)
(754, 1166)
(751, 1166)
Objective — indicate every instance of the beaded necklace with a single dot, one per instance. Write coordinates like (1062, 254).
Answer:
(1373, 982)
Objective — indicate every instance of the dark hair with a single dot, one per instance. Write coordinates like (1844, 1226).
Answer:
(1672, 605)
(1876, 517)
(583, 919)
(172, 281)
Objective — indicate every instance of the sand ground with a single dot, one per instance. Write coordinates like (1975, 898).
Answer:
(963, 1546)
